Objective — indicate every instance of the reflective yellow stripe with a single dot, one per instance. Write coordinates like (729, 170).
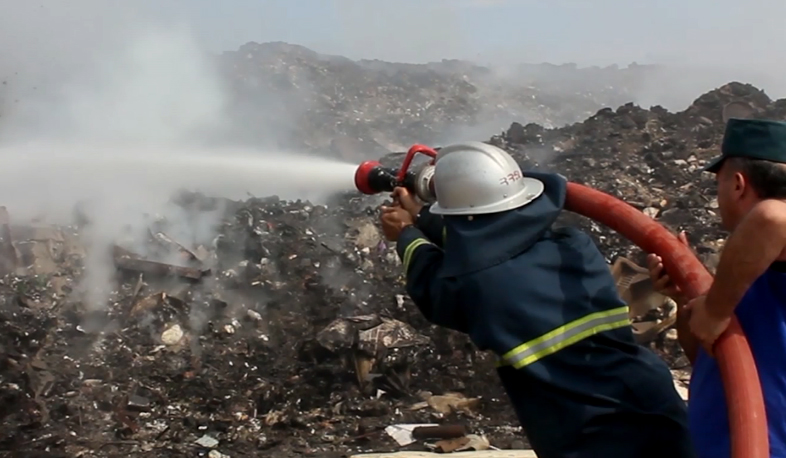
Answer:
(564, 336)
(411, 249)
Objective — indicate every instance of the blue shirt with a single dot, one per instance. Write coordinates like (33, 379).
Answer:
(762, 315)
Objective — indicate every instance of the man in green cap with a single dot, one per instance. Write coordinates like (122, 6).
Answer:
(750, 283)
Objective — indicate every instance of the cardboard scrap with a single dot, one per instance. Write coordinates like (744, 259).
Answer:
(450, 402)
(637, 290)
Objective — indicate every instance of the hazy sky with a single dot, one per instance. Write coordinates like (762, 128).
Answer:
(597, 31)
(585, 31)
(116, 50)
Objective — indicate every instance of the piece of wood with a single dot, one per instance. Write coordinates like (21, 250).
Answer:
(439, 432)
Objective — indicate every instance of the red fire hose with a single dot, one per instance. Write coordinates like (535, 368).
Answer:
(747, 418)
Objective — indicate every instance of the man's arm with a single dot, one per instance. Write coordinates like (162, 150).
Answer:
(755, 244)
(422, 260)
(688, 342)
(431, 225)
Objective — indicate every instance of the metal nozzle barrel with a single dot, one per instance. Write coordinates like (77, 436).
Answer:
(371, 177)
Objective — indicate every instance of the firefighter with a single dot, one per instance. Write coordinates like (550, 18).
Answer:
(485, 260)
(750, 283)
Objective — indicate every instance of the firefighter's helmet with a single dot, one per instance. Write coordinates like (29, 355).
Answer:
(475, 178)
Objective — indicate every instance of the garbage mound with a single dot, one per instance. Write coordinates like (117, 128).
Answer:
(363, 108)
(651, 159)
(289, 332)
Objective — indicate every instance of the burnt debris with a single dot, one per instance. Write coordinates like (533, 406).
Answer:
(291, 333)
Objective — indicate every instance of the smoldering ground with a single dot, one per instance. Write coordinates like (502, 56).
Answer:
(109, 110)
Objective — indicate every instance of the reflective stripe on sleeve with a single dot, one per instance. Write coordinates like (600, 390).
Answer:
(411, 249)
(565, 336)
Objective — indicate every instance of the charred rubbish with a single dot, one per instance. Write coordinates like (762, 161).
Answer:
(300, 339)
(289, 333)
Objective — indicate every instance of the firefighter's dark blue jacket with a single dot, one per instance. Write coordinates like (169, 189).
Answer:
(544, 301)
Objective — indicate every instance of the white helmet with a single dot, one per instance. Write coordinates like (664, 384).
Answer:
(475, 178)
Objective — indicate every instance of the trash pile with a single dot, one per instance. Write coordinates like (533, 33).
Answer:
(362, 108)
(290, 333)
(648, 158)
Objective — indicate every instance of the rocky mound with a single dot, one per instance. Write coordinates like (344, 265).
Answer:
(289, 333)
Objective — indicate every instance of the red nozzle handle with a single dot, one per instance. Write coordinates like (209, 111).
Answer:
(422, 149)
(361, 176)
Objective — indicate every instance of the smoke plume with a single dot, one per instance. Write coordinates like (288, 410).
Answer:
(108, 109)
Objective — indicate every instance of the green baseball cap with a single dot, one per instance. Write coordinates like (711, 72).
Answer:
(752, 138)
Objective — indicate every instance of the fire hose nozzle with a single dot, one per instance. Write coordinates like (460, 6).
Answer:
(373, 178)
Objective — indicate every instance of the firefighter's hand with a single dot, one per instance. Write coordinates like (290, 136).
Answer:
(394, 220)
(402, 197)
(706, 325)
(660, 281)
